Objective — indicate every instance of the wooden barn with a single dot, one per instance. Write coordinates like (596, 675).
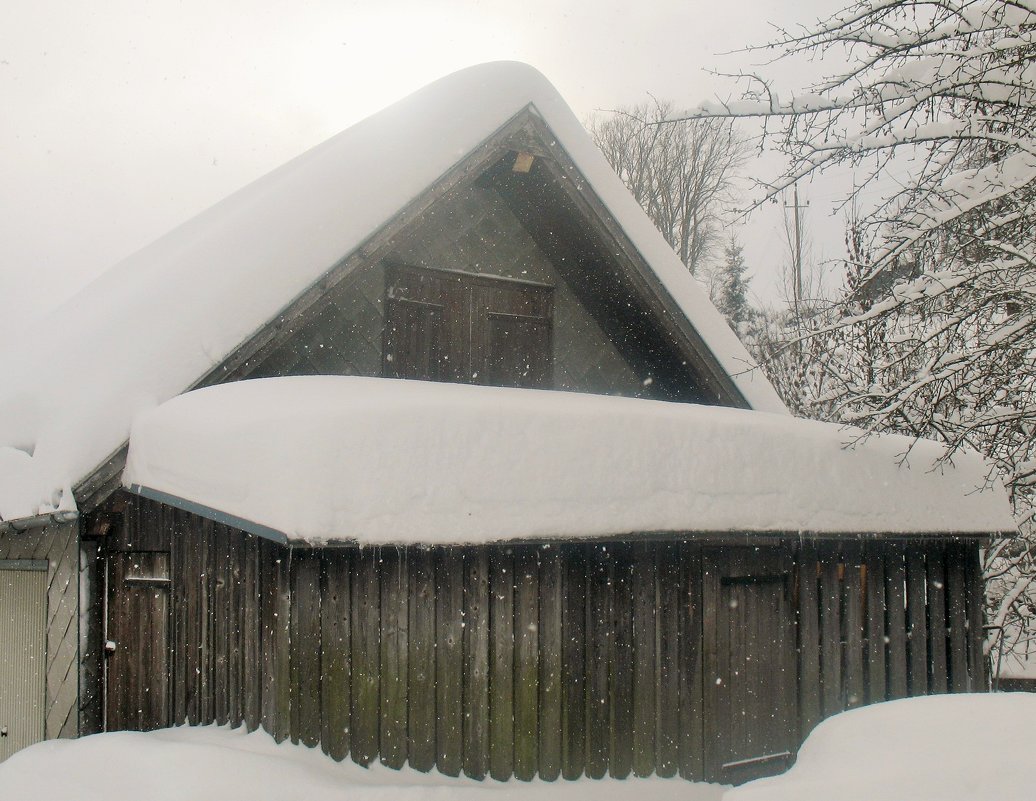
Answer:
(582, 536)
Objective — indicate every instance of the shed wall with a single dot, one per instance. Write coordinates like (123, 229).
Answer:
(557, 660)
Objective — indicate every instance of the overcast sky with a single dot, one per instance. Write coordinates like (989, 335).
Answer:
(120, 119)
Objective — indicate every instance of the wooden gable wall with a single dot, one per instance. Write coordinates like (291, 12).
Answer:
(475, 231)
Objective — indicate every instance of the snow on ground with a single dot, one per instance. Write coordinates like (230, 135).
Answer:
(389, 461)
(218, 764)
(157, 322)
(936, 748)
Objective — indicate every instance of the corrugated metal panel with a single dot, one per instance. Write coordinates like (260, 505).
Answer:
(23, 632)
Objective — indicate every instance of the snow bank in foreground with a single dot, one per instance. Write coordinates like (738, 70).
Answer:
(938, 748)
(382, 460)
(218, 764)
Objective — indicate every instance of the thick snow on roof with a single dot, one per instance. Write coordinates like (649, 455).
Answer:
(388, 461)
(155, 323)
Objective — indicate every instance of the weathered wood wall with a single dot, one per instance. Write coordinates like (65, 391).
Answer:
(554, 660)
(59, 545)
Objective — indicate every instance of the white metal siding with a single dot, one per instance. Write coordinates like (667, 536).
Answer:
(23, 656)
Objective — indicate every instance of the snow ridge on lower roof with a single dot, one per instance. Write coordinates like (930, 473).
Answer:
(158, 321)
(387, 461)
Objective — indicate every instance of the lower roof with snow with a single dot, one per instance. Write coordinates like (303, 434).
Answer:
(318, 459)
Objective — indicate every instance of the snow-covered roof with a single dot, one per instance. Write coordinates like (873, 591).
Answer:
(155, 323)
(377, 460)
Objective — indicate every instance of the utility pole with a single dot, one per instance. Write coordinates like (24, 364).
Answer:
(796, 282)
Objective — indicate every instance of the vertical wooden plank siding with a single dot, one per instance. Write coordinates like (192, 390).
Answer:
(917, 619)
(476, 662)
(667, 692)
(449, 660)
(895, 605)
(691, 719)
(394, 621)
(501, 663)
(366, 639)
(831, 632)
(876, 637)
(527, 662)
(808, 619)
(305, 641)
(957, 605)
(336, 652)
(553, 660)
(551, 590)
(598, 647)
(853, 626)
(938, 627)
(421, 660)
(644, 648)
(620, 660)
(976, 617)
(573, 668)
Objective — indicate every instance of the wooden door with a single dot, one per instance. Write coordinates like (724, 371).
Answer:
(443, 325)
(137, 695)
(23, 639)
(749, 676)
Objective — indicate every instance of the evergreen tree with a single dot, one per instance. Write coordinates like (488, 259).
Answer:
(732, 300)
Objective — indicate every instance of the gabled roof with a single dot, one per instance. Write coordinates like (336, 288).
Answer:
(156, 323)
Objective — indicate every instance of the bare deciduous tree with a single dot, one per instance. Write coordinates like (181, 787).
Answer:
(935, 334)
(682, 173)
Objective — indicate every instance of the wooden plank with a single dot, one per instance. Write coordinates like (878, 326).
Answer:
(527, 662)
(808, 620)
(277, 616)
(551, 586)
(220, 602)
(667, 687)
(957, 609)
(598, 642)
(305, 647)
(206, 584)
(976, 599)
(336, 659)
(874, 562)
(178, 547)
(251, 635)
(620, 661)
(235, 628)
(476, 662)
(421, 660)
(895, 601)
(692, 734)
(395, 587)
(366, 642)
(449, 660)
(644, 574)
(191, 619)
(917, 618)
(715, 564)
(830, 632)
(938, 628)
(573, 668)
(501, 663)
(852, 586)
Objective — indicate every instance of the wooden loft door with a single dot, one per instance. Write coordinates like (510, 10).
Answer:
(443, 325)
